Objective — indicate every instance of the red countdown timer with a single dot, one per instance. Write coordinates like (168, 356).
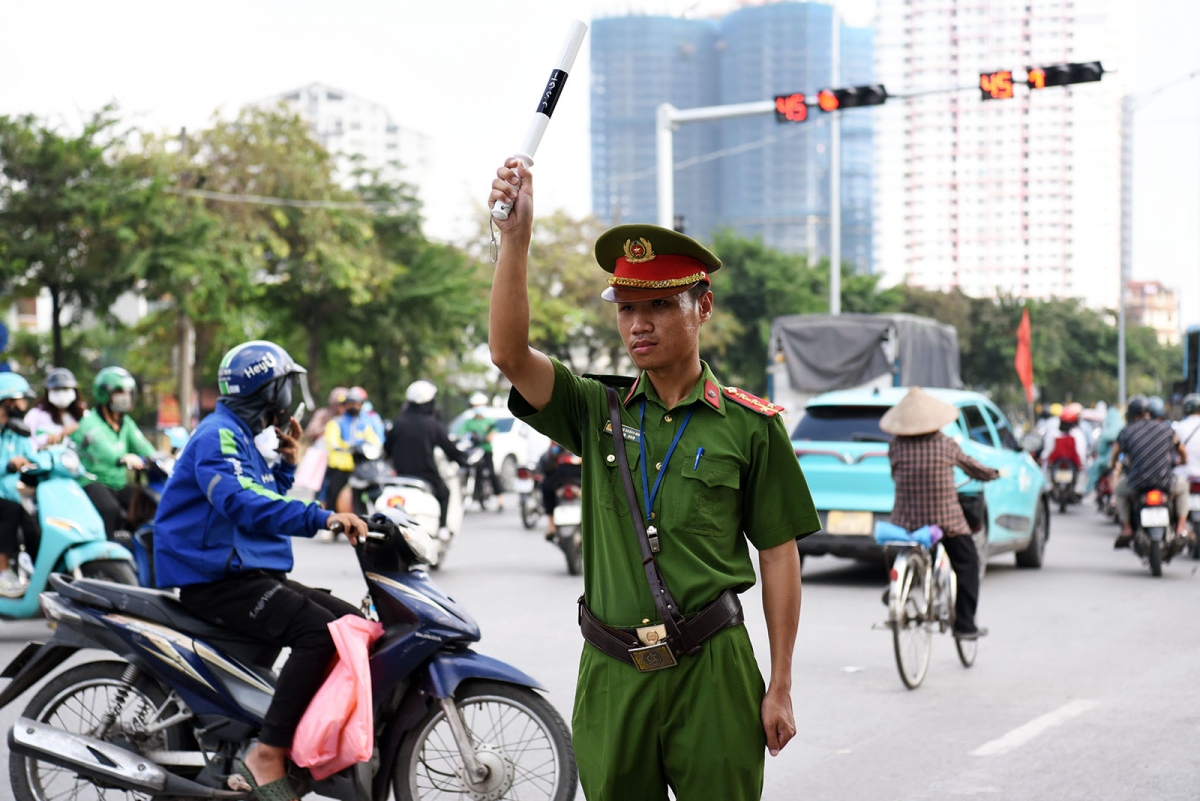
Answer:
(790, 108)
(1036, 78)
(996, 85)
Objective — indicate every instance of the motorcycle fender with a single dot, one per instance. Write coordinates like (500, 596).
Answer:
(104, 550)
(448, 669)
(31, 665)
(1157, 534)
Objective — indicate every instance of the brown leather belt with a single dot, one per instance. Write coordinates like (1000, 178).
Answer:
(623, 644)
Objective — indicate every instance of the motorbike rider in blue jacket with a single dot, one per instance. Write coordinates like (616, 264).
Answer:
(222, 536)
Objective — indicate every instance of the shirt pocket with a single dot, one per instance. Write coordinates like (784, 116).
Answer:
(710, 497)
(612, 491)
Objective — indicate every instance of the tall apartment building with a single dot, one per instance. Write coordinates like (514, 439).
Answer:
(348, 125)
(1017, 196)
(752, 174)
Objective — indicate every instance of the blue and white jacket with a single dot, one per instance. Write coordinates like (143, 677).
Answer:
(224, 511)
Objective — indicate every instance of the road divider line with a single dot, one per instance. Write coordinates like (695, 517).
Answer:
(1026, 732)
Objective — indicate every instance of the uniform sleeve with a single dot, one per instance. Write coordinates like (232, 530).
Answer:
(333, 438)
(225, 477)
(565, 418)
(777, 506)
(136, 442)
(971, 467)
(95, 448)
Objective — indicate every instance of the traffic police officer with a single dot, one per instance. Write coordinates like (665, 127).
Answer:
(712, 467)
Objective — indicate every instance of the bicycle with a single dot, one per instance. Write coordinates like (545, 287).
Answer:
(921, 596)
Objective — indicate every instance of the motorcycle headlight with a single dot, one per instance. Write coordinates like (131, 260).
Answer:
(70, 462)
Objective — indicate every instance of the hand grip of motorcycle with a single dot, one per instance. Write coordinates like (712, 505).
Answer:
(545, 106)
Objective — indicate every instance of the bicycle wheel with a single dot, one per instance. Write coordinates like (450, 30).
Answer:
(966, 651)
(911, 638)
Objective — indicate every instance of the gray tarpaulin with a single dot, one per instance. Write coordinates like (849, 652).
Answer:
(824, 352)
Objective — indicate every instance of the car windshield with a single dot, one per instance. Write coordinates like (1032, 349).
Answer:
(841, 424)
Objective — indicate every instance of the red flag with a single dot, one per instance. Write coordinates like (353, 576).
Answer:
(1024, 359)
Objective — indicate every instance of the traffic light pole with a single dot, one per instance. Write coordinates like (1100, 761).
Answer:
(835, 177)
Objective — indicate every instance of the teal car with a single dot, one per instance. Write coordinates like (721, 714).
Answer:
(845, 459)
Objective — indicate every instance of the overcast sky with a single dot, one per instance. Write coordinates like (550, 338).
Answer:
(467, 73)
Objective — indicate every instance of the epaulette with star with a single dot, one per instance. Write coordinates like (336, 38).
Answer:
(752, 402)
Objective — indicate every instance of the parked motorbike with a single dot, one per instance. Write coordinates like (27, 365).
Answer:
(185, 698)
(528, 486)
(377, 488)
(73, 539)
(1154, 537)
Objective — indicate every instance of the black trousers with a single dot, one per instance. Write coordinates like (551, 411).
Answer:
(440, 491)
(485, 470)
(335, 481)
(964, 558)
(112, 504)
(280, 613)
(17, 526)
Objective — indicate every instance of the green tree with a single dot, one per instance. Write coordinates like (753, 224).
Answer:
(66, 210)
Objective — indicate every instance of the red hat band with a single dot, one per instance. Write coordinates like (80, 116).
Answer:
(664, 271)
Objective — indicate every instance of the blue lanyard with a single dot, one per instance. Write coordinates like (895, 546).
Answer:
(647, 495)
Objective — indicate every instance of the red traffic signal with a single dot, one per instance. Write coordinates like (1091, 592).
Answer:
(790, 108)
(1064, 74)
(851, 97)
(996, 85)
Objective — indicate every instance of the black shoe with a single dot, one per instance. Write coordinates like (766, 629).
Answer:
(1122, 541)
(974, 634)
(887, 595)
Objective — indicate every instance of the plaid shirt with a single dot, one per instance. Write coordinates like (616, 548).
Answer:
(923, 469)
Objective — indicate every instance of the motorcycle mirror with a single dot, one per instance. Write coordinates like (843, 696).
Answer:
(371, 451)
(70, 462)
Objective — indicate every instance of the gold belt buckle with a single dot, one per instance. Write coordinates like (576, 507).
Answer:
(653, 657)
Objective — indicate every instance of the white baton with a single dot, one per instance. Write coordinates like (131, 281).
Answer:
(545, 107)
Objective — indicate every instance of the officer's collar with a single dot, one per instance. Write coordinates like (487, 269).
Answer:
(707, 389)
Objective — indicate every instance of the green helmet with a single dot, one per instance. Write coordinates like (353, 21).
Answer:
(110, 380)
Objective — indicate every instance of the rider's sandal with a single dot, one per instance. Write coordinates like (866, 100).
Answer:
(278, 790)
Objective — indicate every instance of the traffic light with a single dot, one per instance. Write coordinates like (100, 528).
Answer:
(996, 85)
(790, 108)
(851, 97)
(1063, 74)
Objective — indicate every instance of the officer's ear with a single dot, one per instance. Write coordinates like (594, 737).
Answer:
(704, 302)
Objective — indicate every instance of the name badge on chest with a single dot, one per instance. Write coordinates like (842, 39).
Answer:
(630, 433)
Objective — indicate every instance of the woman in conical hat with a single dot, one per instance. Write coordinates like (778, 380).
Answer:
(923, 461)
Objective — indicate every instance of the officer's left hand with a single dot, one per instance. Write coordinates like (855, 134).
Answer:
(778, 721)
(289, 443)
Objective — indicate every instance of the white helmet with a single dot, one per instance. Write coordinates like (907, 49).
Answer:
(420, 392)
(478, 399)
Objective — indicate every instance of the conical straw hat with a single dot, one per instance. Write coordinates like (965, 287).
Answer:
(917, 413)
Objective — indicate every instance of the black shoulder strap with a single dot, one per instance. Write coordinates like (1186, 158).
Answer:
(668, 611)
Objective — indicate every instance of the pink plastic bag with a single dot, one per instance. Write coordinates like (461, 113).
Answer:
(311, 472)
(338, 728)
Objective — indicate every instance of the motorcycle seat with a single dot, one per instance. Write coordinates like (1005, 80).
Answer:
(408, 481)
(162, 607)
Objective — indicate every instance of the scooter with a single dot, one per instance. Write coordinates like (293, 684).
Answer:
(73, 539)
(1063, 464)
(568, 525)
(380, 490)
(528, 486)
(475, 476)
(183, 699)
(1194, 513)
(1154, 537)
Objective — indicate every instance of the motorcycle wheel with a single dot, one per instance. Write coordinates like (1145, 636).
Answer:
(518, 736)
(76, 701)
(1156, 558)
(117, 571)
(530, 513)
(572, 548)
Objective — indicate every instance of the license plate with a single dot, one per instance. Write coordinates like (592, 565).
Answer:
(523, 486)
(1155, 517)
(1194, 503)
(1062, 477)
(568, 515)
(850, 523)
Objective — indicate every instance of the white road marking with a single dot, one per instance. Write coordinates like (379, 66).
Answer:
(1023, 734)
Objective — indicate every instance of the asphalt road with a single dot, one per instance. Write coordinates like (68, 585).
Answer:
(1087, 686)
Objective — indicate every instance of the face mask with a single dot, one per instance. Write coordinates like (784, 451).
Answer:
(61, 398)
(122, 403)
(267, 443)
(353, 411)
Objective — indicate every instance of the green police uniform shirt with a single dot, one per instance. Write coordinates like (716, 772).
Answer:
(747, 481)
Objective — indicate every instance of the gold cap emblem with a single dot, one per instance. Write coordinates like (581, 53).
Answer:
(639, 251)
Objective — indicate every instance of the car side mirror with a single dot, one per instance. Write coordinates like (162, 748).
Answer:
(1034, 442)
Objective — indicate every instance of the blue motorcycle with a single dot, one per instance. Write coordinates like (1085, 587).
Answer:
(186, 698)
(73, 539)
